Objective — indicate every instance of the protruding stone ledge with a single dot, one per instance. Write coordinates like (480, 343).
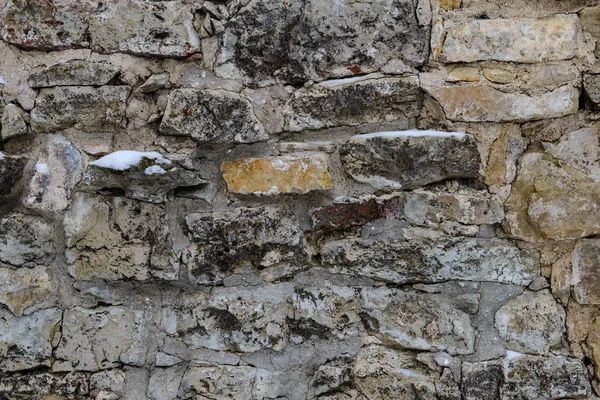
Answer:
(269, 176)
(213, 116)
(410, 159)
(523, 40)
(146, 176)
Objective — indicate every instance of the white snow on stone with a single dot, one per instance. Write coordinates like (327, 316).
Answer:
(512, 355)
(42, 168)
(124, 159)
(345, 81)
(410, 133)
(2, 81)
(2, 156)
(155, 169)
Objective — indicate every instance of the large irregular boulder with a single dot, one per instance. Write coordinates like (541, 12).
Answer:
(354, 101)
(430, 260)
(116, 238)
(268, 239)
(310, 39)
(417, 321)
(531, 323)
(23, 289)
(26, 240)
(74, 73)
(213, 116)
(91, 109)
(11, 171)
(410, 159)
(102, 338)
(299, 173)
(586, 271)
(523, 40)
(26, 342)
(146, 176)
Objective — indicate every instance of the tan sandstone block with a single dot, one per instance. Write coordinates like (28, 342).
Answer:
(498, 75)
(274, 175)
(450, 4)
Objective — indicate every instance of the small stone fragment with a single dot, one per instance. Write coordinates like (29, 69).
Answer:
(354, 101)
(482, 380)
(11, 171)
(274, 175)
(163, 28)
(531, 323)
(26, 240)
(117, 334)
(498, 75)
(74, 73)
(214, 116)
(24, 288)
(591, 85)
(464, 74)
(417, 158)
(156, 82)
(586, 272)
(268, 239)
(93, 109)
(292, 147)
(146, 176)
(13, 121)
(524, 40)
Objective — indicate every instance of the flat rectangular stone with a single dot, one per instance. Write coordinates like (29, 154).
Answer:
(92, 109)
(586, 271)
(409, 159)
(524, 40)
(481, 103)
(354, 101)
(274, 175)
(74, 73)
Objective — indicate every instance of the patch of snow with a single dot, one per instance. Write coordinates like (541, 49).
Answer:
(512, 355)
(42, 168)
(410, 133)
(2, 81)
(124, 159)
(273, 190)
(2, 156)
(155, 169)
(345, 81)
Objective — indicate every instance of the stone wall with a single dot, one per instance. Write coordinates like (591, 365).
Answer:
(197, 201)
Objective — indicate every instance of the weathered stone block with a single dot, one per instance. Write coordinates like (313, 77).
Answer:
(409, 159)
(586, 271)
(52, 387)
(432, 260)
(161, 28)
(524, 40)
(354, 101)
(26, 342)
(74, 73)
(531, 323)
(391, 315)
(11, 171)
(268, 239)
(481, 103)
(354, 212)
(214, 116)
(26, 240)
(591, 85)
(231, 382)
(590, 20)
(101, 338)
(92, 109)
(146, 176)
(116, 238)
(24, 288)
(46, 25)
(13, 121)
(310, 39)
(275, 175)
(482, 379)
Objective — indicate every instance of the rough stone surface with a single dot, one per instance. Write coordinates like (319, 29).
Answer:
(309, 39)
(24, 288)
(586, 278)
(518, 40)
(115, 238)
(531, 323)
(51, 387)
(269, 239)
(418, 160)
(74, 73)
(11, 171)
(91, 109)
(275, 175)
(214, 116)
(26, 240)
(591, 85)
(351, 102)
(13, 123)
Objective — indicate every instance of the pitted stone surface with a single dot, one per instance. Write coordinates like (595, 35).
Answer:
(586, 277)
(91, 109)
(213, 116)
(52, 387)
(26, 240)
(268, 239)
(24, 288)
(74, 73)
(354, 101)
(523, 40)
(406, 160)
(274, 175)
(13, 122)
(11, 171)
(115, 239)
